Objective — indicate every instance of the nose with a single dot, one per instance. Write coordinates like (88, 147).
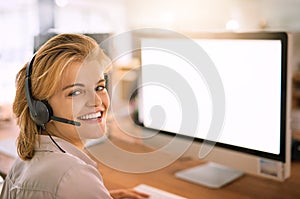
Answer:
(94, 99)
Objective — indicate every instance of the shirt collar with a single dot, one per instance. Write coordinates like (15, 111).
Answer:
(44, 143)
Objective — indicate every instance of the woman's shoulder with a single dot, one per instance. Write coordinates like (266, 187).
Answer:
(60, 163)
(51, 167)
(57, 174)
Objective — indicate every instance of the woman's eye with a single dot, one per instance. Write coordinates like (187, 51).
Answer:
(100, 88)
(74, 93)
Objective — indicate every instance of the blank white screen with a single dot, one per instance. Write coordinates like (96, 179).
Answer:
(251, 74)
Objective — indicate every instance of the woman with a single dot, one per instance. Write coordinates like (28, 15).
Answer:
(61, 101)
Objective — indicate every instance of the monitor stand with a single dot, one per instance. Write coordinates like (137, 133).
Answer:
(211, 175)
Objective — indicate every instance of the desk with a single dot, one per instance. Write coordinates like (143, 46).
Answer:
(247, 186)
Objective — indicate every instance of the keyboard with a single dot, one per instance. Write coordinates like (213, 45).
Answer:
(156, 193)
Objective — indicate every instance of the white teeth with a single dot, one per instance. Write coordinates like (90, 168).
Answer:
(91, 116)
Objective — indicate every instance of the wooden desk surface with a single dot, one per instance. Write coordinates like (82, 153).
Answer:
(248, 186)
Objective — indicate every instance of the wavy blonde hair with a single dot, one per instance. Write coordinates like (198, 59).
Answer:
(50, 61)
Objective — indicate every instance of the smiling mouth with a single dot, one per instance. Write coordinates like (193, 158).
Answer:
(91, 116)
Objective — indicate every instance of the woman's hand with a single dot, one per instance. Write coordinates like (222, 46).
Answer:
(127, 193)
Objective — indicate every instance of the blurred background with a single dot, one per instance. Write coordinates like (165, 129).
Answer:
(22, 20)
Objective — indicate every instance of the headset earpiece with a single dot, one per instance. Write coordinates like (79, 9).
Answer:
(43, 112)
(40, 111)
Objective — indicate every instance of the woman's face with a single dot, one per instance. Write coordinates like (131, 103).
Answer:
(81, 96)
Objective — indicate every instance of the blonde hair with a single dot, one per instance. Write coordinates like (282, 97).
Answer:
(50, 62)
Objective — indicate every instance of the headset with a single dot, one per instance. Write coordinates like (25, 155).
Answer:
(40, 110)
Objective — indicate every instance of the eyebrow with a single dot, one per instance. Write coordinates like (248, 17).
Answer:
(101, 80)
(79, 84)
(72, 85)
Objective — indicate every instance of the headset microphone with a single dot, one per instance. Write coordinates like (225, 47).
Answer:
(63, 120)
(40, 110)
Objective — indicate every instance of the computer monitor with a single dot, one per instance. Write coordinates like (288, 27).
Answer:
(227, 92)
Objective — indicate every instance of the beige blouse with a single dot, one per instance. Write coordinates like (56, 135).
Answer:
(54, 174)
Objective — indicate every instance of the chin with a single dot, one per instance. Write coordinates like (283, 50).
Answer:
(92, 131)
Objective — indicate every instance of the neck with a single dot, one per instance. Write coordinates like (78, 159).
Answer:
(66, 135)
(56, 144)
(78, 143)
